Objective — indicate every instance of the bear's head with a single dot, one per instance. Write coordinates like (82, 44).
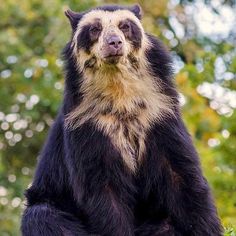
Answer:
(108, 35)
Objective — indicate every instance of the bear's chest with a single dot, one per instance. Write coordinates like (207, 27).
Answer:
(127, 132)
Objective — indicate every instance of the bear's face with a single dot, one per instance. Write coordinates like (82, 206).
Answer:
(104, 37)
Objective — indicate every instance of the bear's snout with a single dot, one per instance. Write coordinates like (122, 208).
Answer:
(113, 49)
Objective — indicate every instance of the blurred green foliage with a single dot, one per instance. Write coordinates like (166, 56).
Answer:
(32, 35)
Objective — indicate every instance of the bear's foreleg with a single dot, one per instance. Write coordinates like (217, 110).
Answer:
(176, 184)
(101, 186)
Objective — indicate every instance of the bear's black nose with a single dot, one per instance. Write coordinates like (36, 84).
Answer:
(114, 41)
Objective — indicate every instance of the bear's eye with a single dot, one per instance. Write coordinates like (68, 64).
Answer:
(124, 26)
(94, 29)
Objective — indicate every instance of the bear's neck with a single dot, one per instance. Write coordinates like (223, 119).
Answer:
(123, 91)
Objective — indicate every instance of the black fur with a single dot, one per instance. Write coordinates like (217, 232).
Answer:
(81, 186)
(84, 39)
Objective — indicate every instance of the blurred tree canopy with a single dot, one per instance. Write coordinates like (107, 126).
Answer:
(202, 39)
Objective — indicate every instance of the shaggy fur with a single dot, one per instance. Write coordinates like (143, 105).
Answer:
(118, 160)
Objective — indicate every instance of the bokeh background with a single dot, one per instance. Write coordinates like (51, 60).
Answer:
(201, 36)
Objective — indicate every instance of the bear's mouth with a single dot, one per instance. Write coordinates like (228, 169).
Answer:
(113, 59)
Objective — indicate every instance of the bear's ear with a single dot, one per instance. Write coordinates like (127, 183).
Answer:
(137, 10)
(73, 17)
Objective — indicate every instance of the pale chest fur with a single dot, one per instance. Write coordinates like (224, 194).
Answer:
(123, 106)
(127, 131)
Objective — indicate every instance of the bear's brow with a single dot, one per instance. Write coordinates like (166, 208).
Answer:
(97, 19)
(94, 20)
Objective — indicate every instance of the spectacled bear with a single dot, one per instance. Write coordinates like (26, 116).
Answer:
(118, 160)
